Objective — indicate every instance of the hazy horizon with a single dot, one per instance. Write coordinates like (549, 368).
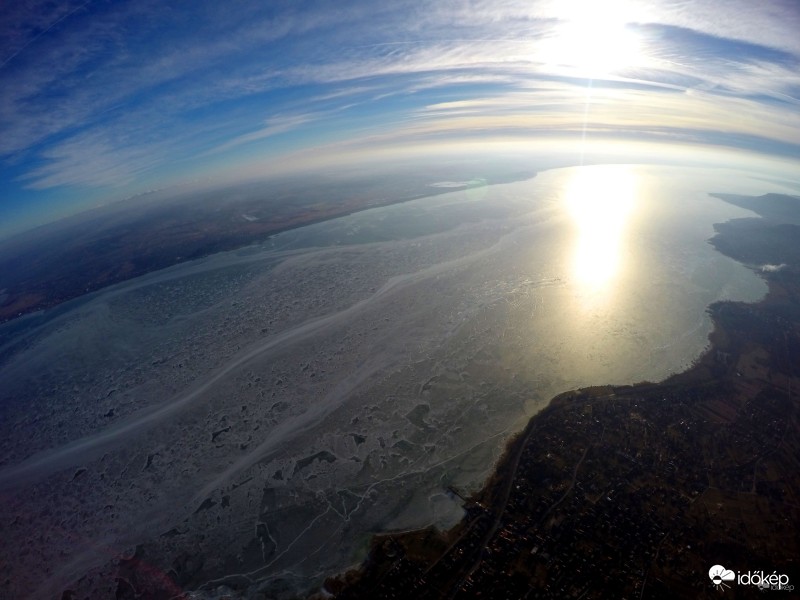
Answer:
(105, 102)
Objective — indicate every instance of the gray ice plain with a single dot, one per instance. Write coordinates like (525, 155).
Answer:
(249, 420)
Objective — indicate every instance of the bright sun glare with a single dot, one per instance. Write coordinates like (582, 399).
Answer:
(593, 39)
(600, 200)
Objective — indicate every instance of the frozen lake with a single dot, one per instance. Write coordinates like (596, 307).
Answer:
(253, 417)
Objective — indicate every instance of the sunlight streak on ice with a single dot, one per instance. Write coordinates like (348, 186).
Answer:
(600, 200)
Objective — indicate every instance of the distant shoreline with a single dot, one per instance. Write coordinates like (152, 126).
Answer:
(54, 264)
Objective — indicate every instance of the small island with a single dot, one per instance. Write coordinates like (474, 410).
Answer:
(637, 491)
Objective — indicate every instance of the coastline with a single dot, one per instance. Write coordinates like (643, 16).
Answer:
(698, 467)
(97, 256)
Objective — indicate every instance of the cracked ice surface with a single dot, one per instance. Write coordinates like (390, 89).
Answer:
(250, 419)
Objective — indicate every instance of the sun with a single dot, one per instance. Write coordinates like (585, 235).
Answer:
(592, 40)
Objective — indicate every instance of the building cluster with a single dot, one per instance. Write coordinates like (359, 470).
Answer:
(629, 492)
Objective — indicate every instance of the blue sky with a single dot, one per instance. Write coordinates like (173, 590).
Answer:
(102, 100)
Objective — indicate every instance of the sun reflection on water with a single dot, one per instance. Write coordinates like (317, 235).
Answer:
(600, 200)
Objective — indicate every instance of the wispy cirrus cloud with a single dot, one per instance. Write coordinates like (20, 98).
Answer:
(95, 94)
(272, 126)
(569, 107)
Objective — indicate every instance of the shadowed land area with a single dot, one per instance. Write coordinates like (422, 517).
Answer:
(66, 259)
(637, 491)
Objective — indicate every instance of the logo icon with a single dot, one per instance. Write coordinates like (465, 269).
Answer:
(719, 575)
